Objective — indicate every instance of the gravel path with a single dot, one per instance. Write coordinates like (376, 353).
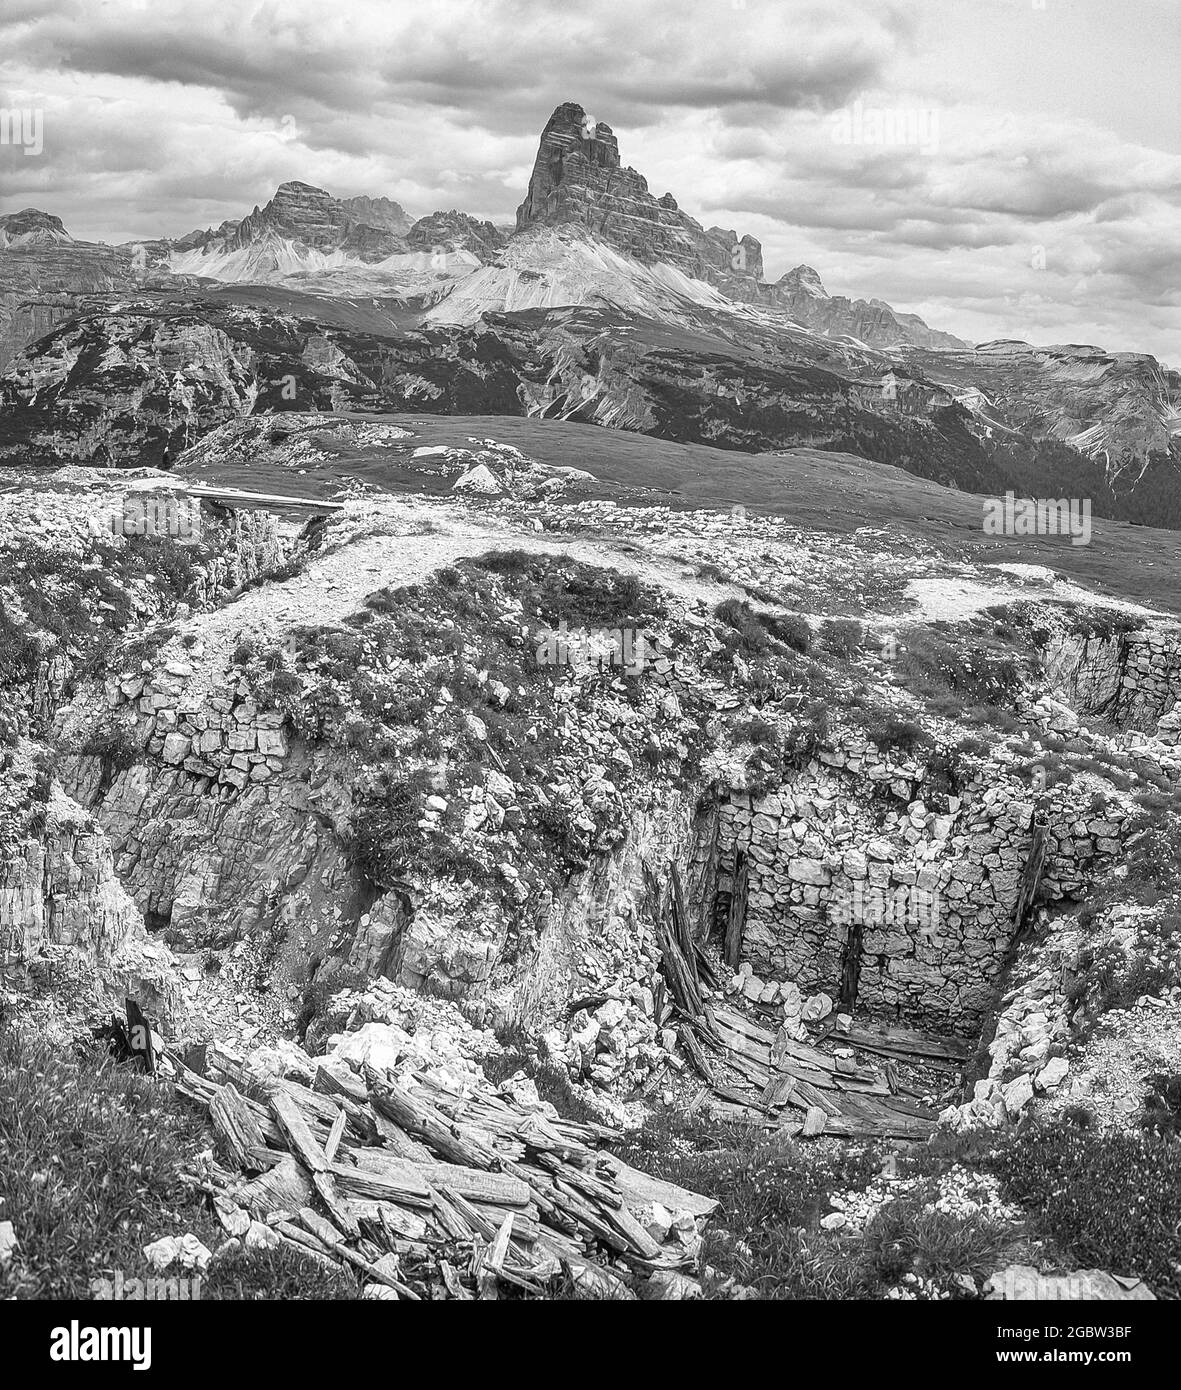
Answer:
(338, 580)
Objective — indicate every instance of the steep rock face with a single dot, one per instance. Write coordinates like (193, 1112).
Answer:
(301, 213)
(157, 381)
(577, 177)
(578, 180)
(1121, 409)
(378, 212)
(45, 275)
(31, 227)
(1133, 678)
(802, 295)
(59, 890)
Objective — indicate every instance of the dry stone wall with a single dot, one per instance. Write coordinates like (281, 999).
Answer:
(852, 845)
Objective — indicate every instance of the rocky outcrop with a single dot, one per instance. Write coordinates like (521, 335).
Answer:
(801, 294)
(58, 889)
(378, 212)
(455, 231)
(45, 275)
(577, 177)
(1131, 675)
(308, 216)
(1121, 409)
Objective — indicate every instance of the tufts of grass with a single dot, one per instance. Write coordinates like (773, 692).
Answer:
(772, 1194)
(1112, 1200)
(905, 1237)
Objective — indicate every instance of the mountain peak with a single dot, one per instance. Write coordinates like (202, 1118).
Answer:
(31, 227)
(806, 280)
(578, 178)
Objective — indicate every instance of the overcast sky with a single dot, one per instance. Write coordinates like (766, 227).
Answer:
(1036, 192)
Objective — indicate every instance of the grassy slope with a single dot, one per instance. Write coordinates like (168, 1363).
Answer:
(90, 1175)
(824, 491)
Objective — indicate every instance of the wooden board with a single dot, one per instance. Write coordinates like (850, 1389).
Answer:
(641, 1189)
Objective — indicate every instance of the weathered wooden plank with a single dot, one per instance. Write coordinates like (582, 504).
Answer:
(332, 1143)
(815, 1121)
(285, 1187)
(477, 1185)
(236, 1126)
(455, 1143)
(406, 1188)
(777, 1091)
(737, 917)
(641, 1189)
(329, 1194)
(301, 1139)
(235, 497)
(407, 1223)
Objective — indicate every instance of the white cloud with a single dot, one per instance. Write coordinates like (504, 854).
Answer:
(163, 116)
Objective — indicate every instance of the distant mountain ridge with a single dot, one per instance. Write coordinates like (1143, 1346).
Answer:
(45, 275)
(304, 238)
(603, 304)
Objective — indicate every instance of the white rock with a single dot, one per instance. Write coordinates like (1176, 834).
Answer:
(1018, 1093)
(657, 1220)
(186, 1250)
(1053, 1073)
(815, 1008)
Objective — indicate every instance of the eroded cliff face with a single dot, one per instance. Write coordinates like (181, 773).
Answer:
(577, 178)
(45, 276)
(59, 889)
(1129, 673)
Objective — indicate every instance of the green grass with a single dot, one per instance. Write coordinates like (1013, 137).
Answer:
(1113, 1201)
(91, 1160)
(904, 1237)
(772, 1195)
(955, 672)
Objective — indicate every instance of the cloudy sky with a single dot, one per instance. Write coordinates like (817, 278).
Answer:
(1032, 188)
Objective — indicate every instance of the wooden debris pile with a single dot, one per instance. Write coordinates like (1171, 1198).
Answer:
(778, 1076)
(684, 966)
(432, 1194)
(837, 1093)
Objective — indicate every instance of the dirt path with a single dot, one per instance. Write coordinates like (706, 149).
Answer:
(955, 599)
(336, 582)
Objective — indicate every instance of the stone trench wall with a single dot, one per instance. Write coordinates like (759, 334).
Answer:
(219, 830)
(850, 841)
(60, 891)
(1134, 678)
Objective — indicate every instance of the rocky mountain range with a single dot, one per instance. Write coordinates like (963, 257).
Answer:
(605, 303)
(45, 275)
(528, 728)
